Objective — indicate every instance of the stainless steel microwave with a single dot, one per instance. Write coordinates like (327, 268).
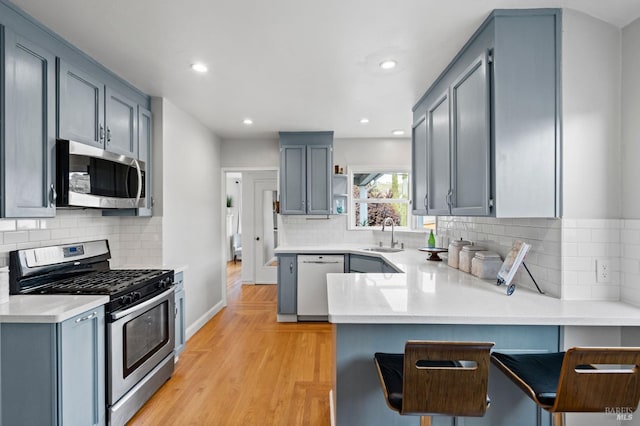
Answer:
(87, 176)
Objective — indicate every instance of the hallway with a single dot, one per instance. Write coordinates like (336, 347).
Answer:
(244, 368)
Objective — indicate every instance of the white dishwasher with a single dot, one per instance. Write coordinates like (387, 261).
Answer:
(312, 284)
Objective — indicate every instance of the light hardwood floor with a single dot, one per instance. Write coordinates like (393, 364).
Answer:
(244, 368)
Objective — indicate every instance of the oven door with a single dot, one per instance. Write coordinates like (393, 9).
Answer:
(138, 339)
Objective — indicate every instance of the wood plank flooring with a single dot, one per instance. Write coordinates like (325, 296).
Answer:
(244, 368)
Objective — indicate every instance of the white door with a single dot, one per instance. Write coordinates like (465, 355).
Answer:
(265, 230)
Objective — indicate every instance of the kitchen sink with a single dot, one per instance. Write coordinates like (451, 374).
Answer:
(384, 249)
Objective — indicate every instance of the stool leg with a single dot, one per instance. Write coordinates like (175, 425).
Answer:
(425, 420)
(557, 419)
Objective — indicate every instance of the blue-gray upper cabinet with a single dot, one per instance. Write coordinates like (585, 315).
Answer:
(438, 155)
(54, 374)
(470, 138)
(80, 106)
(95, 114)
(121, 118)
(145, 124)
(418, 165)
(29, 115)
(306, 160)
(498, 105)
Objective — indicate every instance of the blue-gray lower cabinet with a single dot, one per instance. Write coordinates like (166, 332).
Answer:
(287, 284)
(54, 374)
(181, 338)
(369, 264)
(30, 119)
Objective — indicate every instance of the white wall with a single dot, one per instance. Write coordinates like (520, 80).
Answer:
(365, 152)
(190, 200)
(630, 121)
(630, 230)
(254, 153)
(591, 78)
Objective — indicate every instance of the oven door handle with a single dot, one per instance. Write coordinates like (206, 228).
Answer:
(117, 315)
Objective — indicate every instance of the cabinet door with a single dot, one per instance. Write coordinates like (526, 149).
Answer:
(180, 323)
(419, 167)
(470, 140)
(365, 264)
(121, 117)
(30, 129)
(144, 154)
(319, 163)
(293, 170)
(438, 156)
(81, 346)
(287, 284)
(80, 106)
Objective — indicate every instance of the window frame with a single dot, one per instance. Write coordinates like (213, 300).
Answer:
(351, 170)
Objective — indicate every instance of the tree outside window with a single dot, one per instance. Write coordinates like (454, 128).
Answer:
(378, 195)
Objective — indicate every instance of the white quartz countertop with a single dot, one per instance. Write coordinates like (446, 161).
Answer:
(434, 293)
(47, 308)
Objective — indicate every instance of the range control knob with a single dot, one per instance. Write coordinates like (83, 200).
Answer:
(127, 299)
(136, 296)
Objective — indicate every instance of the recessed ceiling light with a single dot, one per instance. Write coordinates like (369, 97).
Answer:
(388, 64)
(247, 121)
(199, 67)
(364, 120)
(398, 132)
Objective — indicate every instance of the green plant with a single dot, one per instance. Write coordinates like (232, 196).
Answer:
(229, 201)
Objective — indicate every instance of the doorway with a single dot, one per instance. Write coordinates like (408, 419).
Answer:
(253, 222)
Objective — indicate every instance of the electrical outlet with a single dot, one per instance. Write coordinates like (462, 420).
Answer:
(603, 271)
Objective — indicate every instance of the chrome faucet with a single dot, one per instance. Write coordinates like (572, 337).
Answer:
(384, 222)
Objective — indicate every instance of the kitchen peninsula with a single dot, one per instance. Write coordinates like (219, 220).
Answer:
(378, 312)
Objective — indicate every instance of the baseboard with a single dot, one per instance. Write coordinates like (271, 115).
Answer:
(332, 409)
(200, 322)
(287, 318)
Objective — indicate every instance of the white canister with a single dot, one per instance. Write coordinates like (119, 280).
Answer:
(4, 284)
(454, 251)
(465, 256)
(486, 264)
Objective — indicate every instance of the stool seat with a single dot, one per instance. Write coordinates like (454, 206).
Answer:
(446, 378)
(580, 380)
(540, 372)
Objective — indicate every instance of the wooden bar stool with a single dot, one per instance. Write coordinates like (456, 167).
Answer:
(582, 380)
(445, 378)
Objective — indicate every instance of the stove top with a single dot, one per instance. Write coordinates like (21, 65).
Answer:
(83, 268)
(111, 282)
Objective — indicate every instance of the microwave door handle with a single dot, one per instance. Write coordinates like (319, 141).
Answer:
(139, 193)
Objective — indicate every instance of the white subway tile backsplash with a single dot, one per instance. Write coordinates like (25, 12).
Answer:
(142, 236)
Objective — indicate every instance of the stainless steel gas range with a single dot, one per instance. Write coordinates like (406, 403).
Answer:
(139, 316)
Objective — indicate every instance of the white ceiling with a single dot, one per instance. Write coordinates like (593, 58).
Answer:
(287, 64)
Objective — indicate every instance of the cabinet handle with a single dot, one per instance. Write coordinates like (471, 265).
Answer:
(291, 268)
(426, 202)
(449, 194)
(175, 313)
(101, 133)
(53, 195)
(88, 317)
(108, 134)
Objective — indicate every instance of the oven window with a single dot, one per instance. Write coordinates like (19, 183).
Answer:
(144, 335)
